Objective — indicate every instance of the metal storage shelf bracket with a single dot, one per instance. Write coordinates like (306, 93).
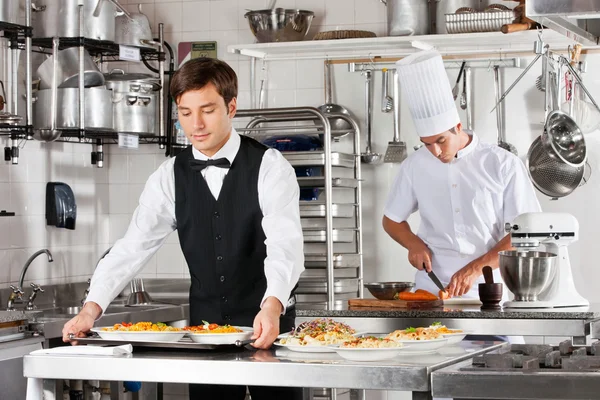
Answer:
(454, 63)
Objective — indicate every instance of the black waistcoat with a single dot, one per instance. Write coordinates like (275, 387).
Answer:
(223, 241)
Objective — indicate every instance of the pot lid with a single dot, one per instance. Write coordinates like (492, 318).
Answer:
(118, 75)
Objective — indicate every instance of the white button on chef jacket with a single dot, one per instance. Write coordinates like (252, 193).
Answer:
(463, 205)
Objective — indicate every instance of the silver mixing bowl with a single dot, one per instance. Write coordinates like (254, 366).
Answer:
(527, 273)
(388, 290)
(279, 25)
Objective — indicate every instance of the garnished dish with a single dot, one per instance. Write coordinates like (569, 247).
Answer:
(414, 334)
(140, 332)
(369, 348)
(454, 336)
(316, 335)
(421, 340)
(208, 333)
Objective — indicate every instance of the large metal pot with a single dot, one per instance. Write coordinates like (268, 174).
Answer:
(9, 11)
(98, 109)
(135, 101)
(407, 17)
(61, 18)
(67, 71)
(133, 30)
(135, 112)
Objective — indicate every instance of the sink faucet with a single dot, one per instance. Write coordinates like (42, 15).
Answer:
(89, 281)
(29, 261)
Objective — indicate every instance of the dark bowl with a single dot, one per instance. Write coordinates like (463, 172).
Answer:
(388, 290)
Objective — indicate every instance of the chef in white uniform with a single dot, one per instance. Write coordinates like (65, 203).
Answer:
(465, 190)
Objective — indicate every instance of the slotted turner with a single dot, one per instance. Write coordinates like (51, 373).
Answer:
(396, 150)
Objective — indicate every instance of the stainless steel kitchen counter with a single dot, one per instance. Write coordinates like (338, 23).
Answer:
(278, 367)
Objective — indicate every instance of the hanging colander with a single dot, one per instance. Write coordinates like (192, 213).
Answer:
(549, 174)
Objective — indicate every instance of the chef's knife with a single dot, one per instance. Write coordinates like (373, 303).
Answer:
(435, 279)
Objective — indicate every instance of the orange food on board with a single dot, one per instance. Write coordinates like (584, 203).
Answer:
(444, 295)
(419, 295)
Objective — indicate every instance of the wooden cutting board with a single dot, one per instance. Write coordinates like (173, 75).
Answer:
(375, 303)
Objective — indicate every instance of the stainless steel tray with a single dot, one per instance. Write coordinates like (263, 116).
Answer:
(318, 285)
(319, 298)
(321, 223)
(317, 209)
(337, 273)
(343, 260)
(317, 158)
(184, 343)
(319, 181)
(320, 236)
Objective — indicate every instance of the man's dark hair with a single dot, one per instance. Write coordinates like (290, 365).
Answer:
(197, 73)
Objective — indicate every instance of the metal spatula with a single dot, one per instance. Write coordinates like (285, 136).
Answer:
(396, 150)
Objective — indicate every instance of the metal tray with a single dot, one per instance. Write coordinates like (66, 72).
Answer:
(319, 181)
(317, 158)
(320, 236)
(184, 343)
(337, 273)
(317, 209)
(343, 260)
(320, 223)
(318, 285)
(322, 298)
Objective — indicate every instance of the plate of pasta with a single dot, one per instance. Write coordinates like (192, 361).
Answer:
(370, 348)
(454, 336)
(208, 333)
(140, 332)
(317, 336)
(421, 340)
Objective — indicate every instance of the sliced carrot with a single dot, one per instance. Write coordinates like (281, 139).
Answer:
(426, 293)
(416, 296)
(444, 295)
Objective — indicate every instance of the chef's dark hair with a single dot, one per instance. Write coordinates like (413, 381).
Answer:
(197, 73)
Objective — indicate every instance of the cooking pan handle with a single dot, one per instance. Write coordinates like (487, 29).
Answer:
(115, 70)
(98, 8)
(35, 8)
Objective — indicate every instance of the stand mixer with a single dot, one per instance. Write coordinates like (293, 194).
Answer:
(540, 279)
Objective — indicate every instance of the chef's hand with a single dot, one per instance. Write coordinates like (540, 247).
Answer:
(266, 323)
(462, 281)
(419, 255)
(82, 322)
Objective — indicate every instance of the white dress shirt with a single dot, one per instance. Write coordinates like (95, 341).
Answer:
(463, 204)
(154, 219)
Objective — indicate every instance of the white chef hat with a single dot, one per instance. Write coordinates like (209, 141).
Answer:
(425, 85)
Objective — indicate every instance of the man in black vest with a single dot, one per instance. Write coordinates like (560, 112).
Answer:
(234, 203)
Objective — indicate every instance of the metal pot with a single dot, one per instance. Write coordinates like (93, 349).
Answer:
(119, 81)
(407, 17)
(135, 112)
(9, 11)
(67, 71)
(134, 30)
(98, 109)
(61, 18)
(9, 119)
(444, 7)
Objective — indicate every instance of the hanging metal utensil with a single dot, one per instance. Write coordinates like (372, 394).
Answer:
(396, 150)
(387, 103)
(368, 156)
(500, 114)
(339, 127)
(463, 95)
(455, 88)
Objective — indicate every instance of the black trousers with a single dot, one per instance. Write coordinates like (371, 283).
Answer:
(228, 392)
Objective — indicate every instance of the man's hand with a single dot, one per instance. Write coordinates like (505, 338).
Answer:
(419, 255)
(82, 322)
(462, 281)
(266, 323)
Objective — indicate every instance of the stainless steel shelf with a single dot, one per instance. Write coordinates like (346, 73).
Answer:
(320, 236)
(321, 273)
(319, 181)
(320, 223)
(342, 260)
(317, 209)
(317, 158)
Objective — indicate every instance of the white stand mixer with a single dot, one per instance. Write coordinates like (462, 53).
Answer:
(555, 231)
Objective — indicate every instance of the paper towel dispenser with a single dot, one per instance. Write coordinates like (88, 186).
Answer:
(61, 210)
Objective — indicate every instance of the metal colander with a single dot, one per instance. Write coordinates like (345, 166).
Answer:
(549, 174)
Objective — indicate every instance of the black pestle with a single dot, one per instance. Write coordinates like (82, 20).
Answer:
(488, 274)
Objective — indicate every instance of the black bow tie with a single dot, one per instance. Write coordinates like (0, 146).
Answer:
(199, 165)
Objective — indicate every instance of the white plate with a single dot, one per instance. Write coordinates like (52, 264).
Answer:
(360, 354)
(306, 349)
(222, 338)
(420, 346)
(454, 338)
(140, 336)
